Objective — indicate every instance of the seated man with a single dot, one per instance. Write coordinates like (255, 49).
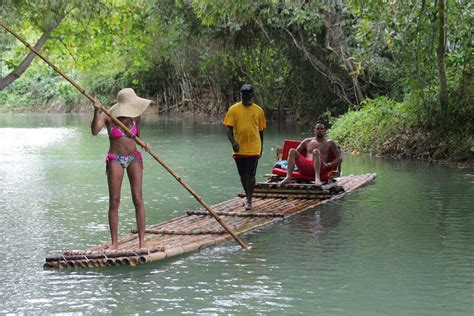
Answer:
(322, 157)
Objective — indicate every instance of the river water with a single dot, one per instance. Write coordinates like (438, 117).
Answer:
(401, 246)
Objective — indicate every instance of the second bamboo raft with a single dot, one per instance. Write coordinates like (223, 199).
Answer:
(197, 229)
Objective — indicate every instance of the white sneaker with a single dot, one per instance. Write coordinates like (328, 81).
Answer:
(247, 205)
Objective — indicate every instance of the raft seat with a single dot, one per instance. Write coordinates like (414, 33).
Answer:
(282, 154)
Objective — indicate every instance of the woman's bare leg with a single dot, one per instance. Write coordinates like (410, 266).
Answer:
(135, 176)
(114, 179)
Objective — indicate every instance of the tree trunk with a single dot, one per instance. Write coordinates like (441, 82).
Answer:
(335, 42)
(15, 74)
(440, 52)
(335, 81)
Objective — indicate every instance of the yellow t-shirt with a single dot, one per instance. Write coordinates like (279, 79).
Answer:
(247, 122)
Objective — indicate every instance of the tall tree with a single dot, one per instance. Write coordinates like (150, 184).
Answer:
(336, 42)
(52, 12)
(81, 33)
(23, 65)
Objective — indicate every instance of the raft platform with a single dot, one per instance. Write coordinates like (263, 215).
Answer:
(198, 229)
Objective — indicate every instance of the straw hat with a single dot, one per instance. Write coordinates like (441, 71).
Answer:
(129, 104)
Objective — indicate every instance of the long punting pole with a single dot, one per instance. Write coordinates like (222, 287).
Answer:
(137, 139)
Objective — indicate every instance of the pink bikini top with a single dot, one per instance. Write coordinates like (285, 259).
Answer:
(116, 132)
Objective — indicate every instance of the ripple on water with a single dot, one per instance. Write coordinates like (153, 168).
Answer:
(404, 245)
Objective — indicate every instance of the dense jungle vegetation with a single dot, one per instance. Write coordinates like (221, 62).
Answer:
(392, 77)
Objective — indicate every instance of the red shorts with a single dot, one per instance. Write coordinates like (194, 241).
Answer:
(306, 168)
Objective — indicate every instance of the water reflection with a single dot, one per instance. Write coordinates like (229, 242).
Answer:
(18, 142)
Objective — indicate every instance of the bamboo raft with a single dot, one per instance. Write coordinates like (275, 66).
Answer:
(197, 229)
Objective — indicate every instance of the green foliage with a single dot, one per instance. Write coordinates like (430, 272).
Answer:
(402, 129)
(368, 129)
(28, 92)
(397, 41)
(231, 13)
(196, 54)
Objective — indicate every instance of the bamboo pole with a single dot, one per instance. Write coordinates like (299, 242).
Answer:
(239, 214)
(297, 186)
(125, 128)
(79, 255)
(182, 232)
(290, 191)
(288, 196)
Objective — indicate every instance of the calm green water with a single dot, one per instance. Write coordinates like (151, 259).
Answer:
(402, 246)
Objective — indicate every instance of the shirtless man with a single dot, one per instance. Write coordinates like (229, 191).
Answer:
(318, 151)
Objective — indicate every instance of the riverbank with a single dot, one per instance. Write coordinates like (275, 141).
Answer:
(404, 130)
(374, 130)
(81, 106)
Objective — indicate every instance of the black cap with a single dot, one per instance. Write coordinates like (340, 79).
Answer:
(246, 88)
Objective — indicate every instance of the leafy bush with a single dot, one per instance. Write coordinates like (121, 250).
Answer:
(368, 129)
(402, 129)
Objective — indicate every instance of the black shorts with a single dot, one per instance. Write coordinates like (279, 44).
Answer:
(247, 165)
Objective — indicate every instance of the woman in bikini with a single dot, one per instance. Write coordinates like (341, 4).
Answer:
(123, 155)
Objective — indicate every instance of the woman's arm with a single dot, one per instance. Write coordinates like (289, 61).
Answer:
(147, 146)
(138, 122)
(99, 119)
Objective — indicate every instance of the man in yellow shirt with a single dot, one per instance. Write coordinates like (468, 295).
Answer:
(245, 122)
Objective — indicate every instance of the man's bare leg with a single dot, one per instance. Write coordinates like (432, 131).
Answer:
(317, 167)
(291, 164)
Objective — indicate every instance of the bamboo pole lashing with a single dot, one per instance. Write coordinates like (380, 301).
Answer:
(243, 231)
(180, 249)
(284, 196)
(177, 232)
(239, 214)
(187, 223)
(290, 191)
(285, 206)
(258, 207)
(292, 186)
(241, 224)
(114, 254)
(235, 205)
